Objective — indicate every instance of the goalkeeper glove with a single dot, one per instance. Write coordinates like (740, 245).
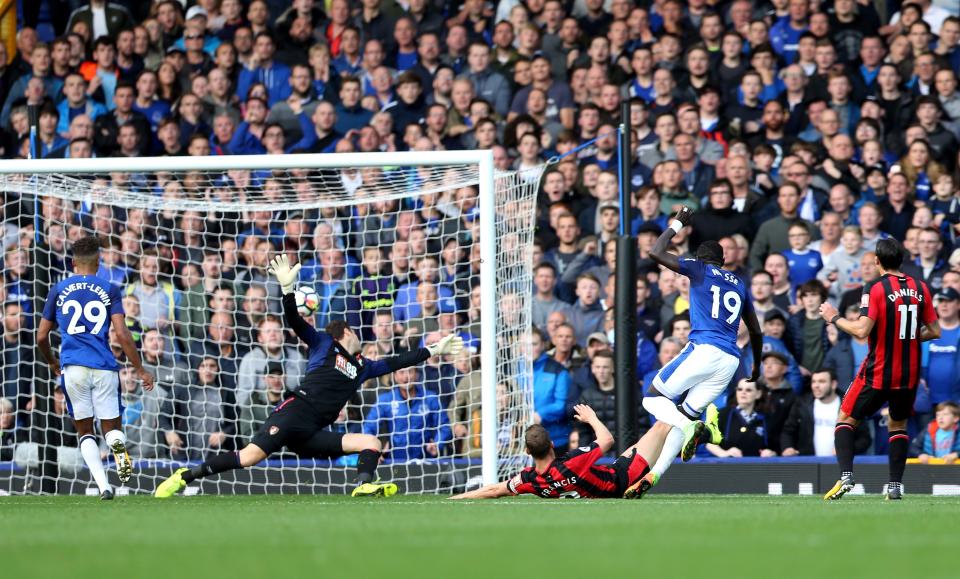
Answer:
(286, 275)
(452, 344)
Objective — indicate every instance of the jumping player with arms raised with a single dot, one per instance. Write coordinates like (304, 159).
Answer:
(896, 314)
(705, 366)
(84, 306)
(577, 475)
(335, 371)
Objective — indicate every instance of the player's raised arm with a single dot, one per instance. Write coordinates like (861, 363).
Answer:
(659, 252)
(130, 350)
(287, 277)
(749, 316)
(859, 328)
(448, 345)
(585, 414)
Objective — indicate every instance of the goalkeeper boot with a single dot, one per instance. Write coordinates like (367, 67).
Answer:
(713, 424)
(173, 485)
(694, 434)
(843, 486)
(107, 495)
(122, 459)
(640, 488)
(375, 489)
(894, 492)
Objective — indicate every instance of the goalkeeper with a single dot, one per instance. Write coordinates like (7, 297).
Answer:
(334, 373)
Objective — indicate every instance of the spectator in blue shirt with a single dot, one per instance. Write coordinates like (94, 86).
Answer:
(804, 263)
(76, 103)
(551, 384)
(350, 115)
(940, 370)
(263, 69)
(785, 34)
(414, 420)
(940, 439)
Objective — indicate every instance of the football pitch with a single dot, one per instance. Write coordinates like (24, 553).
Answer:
(414, 536)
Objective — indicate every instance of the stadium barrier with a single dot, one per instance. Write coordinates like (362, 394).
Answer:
(770, 476)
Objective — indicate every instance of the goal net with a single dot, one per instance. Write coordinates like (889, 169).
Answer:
(405, 247)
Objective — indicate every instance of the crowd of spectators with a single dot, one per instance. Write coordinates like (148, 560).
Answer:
(800, 131)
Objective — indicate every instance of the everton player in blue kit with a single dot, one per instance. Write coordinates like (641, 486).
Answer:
(334, 373)
(705, 366)
(83, 306)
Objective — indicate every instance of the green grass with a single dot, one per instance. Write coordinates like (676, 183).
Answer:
(321, 536)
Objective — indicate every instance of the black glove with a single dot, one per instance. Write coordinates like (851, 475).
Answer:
(684, 215)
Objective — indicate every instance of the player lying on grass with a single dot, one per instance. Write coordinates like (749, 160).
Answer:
(577, 475)
(335, 372)
(84, 306)
(703, 369)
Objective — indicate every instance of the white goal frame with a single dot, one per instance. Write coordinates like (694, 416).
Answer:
(488, 245)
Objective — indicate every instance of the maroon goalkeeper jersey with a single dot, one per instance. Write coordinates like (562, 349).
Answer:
(899, 307)
(574, 476)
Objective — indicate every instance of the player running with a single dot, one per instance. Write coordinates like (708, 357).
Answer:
(704, 367)
(577, 475)
(335, 371)
(84, 306)
(891, 309)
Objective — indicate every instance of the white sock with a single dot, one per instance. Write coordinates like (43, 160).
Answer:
(665, 411)
(671, 448)
(115, 435)
(91, 455)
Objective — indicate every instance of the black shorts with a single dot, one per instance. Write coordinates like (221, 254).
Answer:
(629, 469)
(294, 424)
(861, 401)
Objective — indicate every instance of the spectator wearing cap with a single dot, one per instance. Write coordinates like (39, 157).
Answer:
(780, 395)
(255, 411)
(774, 333)
(545, 300)
(718, 218)
(263, 69)
(808, 430)
(195, 33)
(102, 18)
(586, 315)
(941, 356)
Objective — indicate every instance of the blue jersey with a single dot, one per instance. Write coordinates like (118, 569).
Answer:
(716, 302)
(81, 306)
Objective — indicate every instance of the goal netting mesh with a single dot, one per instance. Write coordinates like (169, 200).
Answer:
(393, 250)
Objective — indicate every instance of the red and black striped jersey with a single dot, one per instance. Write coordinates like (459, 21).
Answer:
(574, 476)
(899, 307)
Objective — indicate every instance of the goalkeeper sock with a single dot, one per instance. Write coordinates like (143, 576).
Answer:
(898, 444)
(367, 466)
(671, 448)
(843, 443)
(665, 411)
(217, 464)
(90, 451)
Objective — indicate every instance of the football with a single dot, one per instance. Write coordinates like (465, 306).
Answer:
(307, 300)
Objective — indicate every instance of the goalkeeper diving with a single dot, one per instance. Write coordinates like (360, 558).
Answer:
(335, 371)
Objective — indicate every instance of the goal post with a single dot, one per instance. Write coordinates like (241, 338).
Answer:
(229, 194)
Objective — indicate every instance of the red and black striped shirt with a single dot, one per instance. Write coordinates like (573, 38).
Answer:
(899, 307)
(575, 476)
